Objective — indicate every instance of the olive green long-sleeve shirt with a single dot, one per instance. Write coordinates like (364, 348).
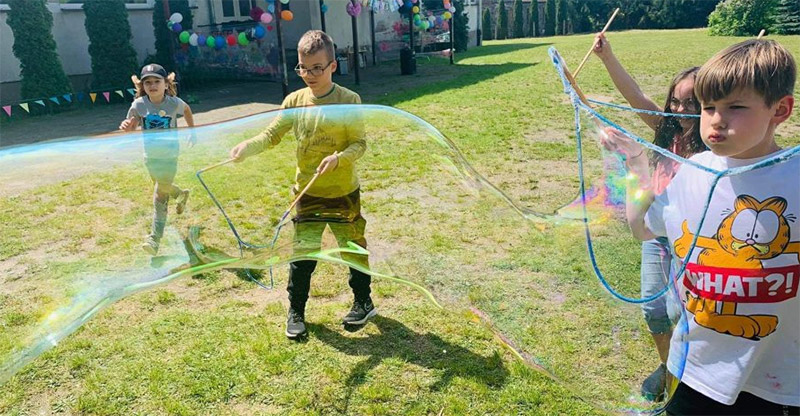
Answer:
(319, 133)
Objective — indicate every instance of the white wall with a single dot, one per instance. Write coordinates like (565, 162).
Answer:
(338, 23)
(72, 43)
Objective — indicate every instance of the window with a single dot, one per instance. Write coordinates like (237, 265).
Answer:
(227, 8)
(235, 9)
(244, 7)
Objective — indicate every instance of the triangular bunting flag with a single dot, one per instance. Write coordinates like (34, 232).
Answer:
(108, 96)
(7, 109)
(131, 91)
(40, 102)
(25, 107)
(81, 96)
(67, 97)
(93, 96)
(119, 92)
(55, 100)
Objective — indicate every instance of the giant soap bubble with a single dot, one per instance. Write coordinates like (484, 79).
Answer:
(76, 212)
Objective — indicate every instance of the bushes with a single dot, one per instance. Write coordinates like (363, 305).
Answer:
(741, 17)
(550, 18)
(502, 21)
(113, 57)
(461, 28)
(787, 17)
(517, 28)
(533, 19)
(41, 70)
(486, 26)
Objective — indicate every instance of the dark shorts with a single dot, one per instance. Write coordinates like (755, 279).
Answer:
(687, 401)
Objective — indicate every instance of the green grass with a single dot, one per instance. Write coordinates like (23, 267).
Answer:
(214, 344)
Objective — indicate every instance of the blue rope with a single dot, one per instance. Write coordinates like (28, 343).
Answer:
(639, 110)
(242, 244)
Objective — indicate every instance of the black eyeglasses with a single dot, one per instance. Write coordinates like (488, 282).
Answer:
(316, 71)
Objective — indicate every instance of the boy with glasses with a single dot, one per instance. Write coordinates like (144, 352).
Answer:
(328, 144)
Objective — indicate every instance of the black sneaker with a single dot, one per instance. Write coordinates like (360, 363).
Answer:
(360, 313)
(295, 324)
(655, 385)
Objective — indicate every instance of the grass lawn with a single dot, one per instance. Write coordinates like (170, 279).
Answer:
(214, 344)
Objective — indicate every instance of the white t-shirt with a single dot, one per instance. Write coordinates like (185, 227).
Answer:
(741, 280)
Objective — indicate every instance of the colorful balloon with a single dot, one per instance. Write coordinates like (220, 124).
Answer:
(259, 32)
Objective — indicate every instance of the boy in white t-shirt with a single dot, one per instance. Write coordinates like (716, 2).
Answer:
(740, 284)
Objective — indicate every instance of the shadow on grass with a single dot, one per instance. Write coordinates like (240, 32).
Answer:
(426, 350)
(499, 49)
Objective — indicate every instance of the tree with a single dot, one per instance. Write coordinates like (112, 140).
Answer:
(562, 17)
(486, 26)
(113, 56)
(533, 19)
(550, 18)
(164, 37)
(787, 18)
(741, 17)
(32, 25)
(581, 22)
(517, 29)
(502, 21)
(461, 28)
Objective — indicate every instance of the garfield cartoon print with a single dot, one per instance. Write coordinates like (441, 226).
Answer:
(753, 232)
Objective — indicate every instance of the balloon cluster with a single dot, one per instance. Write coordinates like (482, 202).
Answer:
(430, 20)
(243, 38)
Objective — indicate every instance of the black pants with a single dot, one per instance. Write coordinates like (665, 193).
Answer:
(342, 216)
(687, 401)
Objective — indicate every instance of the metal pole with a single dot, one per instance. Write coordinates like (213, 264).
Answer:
(322, 14)
(479, 33)
(356, 52)
(452, 38)
(285, 75)
(372, 33)
(411, 30)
